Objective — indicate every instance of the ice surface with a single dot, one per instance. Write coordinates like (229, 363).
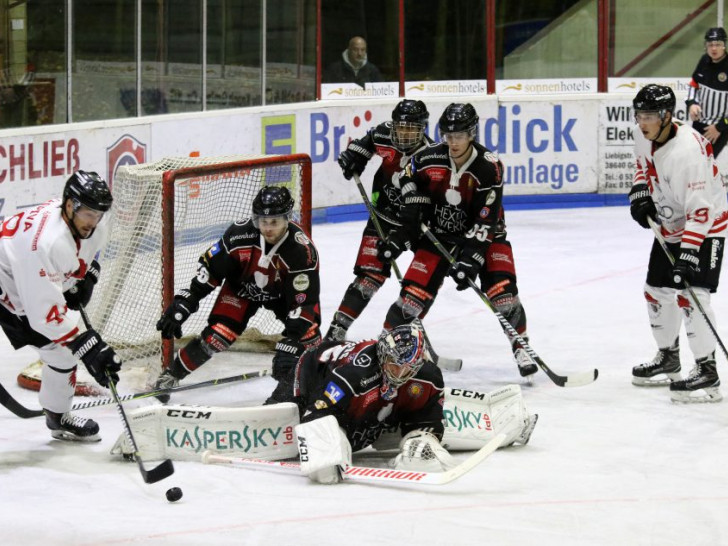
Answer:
(608, 463)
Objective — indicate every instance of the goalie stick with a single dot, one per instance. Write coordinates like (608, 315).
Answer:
(452, 364)
(363, 474)
(152, 475)
(576, 380)
(661, 241)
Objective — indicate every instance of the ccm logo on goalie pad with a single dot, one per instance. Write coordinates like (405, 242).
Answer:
(302, 449)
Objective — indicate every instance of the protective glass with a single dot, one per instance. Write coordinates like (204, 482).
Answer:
(87, 215)
(407, 134)
(452, 138)
(715, 44)
(270, 222)
(647, 117)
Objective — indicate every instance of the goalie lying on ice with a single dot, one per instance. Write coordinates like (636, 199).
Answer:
(386, 393)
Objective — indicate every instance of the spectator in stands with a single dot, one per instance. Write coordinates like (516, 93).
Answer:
(353, 67)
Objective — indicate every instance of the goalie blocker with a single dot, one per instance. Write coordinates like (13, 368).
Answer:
(183, 433)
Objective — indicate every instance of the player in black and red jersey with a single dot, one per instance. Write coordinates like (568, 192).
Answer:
(457, 187)
(349, 393)
(264, 261)
(394, 141)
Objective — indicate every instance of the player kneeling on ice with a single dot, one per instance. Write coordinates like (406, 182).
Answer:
(47, 272)
(351, 393)
(264, 261)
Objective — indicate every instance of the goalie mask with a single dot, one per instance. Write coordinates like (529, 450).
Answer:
(272, 202)
(409, 118)
(402, 351)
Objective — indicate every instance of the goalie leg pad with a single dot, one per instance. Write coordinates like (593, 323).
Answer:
(472, 419)
(323, 448)
(421, 451)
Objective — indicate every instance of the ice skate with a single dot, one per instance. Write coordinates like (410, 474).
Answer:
(526, 366)
(165, 381)
(700, 386)
(68, 427)
(661, 371)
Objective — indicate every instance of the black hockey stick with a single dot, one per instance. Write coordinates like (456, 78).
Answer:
(163, 469)
(576, 380)
(16, 407)
(661, 240)
(452, 364)
(170, 390)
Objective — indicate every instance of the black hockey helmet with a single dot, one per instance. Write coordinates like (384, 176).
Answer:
(716, 34)
(655, 98)
(409, 118)
(402, 351)
(459, 118)
(272, 201)
(87, 188)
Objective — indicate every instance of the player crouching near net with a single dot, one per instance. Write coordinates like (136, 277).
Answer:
(47, 272)
(264, 261)
(350, 393)
(677, 183)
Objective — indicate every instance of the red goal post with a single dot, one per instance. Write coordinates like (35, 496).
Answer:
(164, 216)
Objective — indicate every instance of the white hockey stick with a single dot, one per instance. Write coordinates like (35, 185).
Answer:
(366, 474)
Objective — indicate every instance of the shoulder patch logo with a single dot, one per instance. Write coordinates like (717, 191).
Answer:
(301, 282)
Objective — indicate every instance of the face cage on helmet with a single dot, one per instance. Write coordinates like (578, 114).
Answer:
(257, 217)
(407, 135)
(409, 373)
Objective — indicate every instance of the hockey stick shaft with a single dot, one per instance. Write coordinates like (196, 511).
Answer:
(163, 469)
(447, 363)
(365, 474)
(171, 390)
(661, 241)
(15, 407)
(560, 380)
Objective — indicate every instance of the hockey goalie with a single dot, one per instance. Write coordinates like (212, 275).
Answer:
(385, 393)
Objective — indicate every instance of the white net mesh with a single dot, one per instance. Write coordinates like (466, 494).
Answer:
(127, 301)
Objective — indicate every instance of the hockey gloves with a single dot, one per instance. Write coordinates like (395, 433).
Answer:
(466, 270)
(353, 160)
(183, 305)
(393, 246)
(686, 267)
(641, 205)
(97, 356)
(288, 351)
(80, 294)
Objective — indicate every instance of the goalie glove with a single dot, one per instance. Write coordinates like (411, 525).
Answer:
(183, 305)
(80, 293)
(421, 451)
(323, 449)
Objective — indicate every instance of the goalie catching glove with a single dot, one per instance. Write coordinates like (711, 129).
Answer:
(97, 356)
(80, 293)
(421, 451)
(183, 305)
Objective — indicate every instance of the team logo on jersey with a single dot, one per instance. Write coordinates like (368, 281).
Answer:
(363, 360)
(301, 238)
(301, 282)
(261, 279)
(722, 77)
(300, 298)
(453, 197)
(484, 212)
(415, 390)
(333, 392)
(490, 198)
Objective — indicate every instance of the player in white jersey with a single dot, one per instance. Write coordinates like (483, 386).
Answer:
(47, 271)
(676, 183)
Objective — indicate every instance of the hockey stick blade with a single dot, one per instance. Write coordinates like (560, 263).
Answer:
(363, 474)
(16, 407)
(560, 380)
(451, 364)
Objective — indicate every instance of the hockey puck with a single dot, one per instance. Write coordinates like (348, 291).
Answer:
(174, 494)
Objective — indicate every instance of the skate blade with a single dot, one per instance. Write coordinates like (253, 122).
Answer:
(67, 436)
(711, 395)
(661, 380)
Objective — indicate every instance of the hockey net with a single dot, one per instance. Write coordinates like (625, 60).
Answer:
(165, 215)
